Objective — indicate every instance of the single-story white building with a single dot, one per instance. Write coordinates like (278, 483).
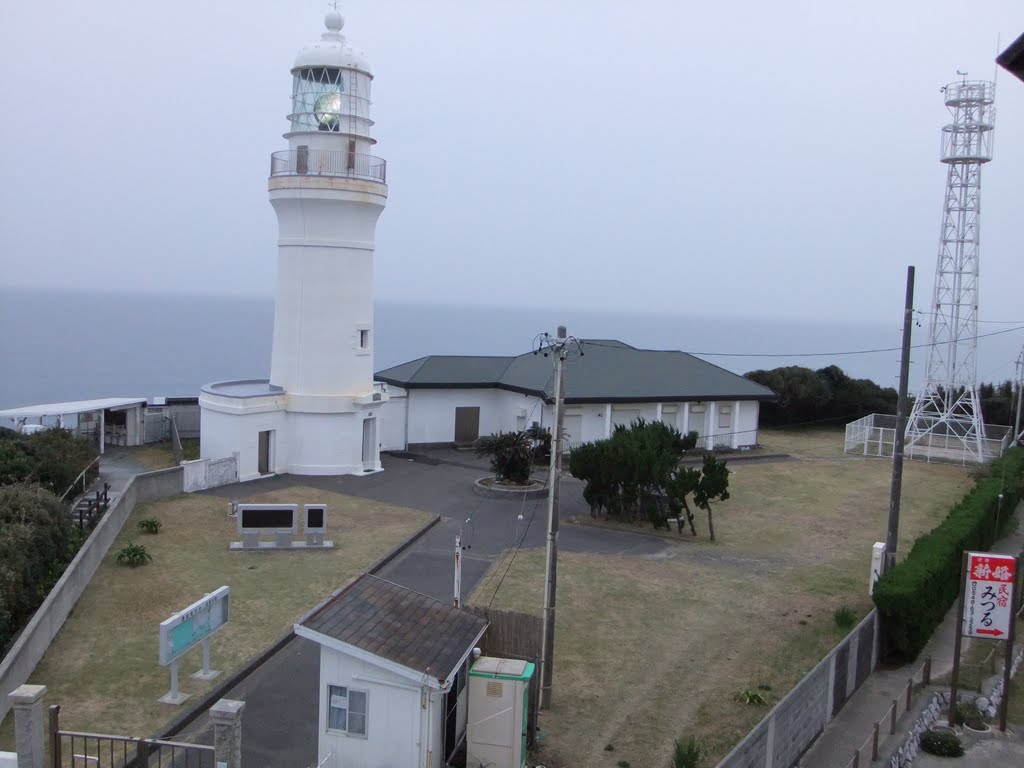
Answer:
(445, 399)
(393, 671)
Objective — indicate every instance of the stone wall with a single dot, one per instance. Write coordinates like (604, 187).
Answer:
(21, 660)
(793, 724)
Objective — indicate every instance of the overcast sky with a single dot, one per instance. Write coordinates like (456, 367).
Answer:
(745, 158)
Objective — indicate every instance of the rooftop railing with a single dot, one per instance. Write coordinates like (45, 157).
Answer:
(325, 162)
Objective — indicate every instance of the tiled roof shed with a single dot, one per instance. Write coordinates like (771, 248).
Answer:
(399, 625)
(608, 372)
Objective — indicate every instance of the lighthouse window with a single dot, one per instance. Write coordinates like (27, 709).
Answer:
(364, 339)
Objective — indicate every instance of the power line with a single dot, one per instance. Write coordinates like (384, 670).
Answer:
(823, 354)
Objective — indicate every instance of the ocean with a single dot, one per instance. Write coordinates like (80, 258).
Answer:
(58, 345)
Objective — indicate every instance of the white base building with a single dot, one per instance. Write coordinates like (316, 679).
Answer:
(441, 400)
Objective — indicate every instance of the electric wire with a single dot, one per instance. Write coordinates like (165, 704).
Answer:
(828, 354)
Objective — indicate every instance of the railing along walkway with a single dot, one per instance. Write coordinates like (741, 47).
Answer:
(78, 749)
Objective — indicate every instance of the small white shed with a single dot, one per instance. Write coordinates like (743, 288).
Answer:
(393, 671)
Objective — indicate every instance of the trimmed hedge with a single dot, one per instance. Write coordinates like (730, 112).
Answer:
(913, 597)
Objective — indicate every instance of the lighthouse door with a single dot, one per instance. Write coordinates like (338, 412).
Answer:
(369, 440)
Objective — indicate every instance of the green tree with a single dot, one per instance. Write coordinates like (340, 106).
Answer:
(713, 486)
(636, 474)
(36, 543)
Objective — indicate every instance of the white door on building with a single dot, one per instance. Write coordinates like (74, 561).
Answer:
(572, 429)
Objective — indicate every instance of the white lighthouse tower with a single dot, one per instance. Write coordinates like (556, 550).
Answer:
(317, 414)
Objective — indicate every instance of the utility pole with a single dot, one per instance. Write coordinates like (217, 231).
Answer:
(458, 571)
(559, 348)
(896, 488)
(1020, 386)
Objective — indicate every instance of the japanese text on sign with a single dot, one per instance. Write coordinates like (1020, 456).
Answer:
(988, 596)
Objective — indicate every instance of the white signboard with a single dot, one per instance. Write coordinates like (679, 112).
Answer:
(193, 625)
(988, 595)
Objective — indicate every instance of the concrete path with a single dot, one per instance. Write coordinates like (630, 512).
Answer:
(854, 724)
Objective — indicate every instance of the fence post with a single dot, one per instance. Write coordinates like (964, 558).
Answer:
(226, 715)
(910, 691)
(55, 745)
(892, 720)
(874, 743)
(27, 701)
(926, 673)
(856, 759)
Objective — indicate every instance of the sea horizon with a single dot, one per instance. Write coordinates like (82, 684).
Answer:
(58, 345)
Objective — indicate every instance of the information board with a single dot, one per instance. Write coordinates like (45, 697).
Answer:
(988, 595)
(191, 626)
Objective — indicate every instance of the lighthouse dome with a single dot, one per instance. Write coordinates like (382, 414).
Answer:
(331, 49)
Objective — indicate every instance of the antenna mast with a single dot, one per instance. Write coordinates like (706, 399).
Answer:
(946, 418)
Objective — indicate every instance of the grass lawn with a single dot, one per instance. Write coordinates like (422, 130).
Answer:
(102, 666)
(649, 650)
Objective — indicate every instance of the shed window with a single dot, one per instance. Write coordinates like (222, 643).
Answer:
(346, 710)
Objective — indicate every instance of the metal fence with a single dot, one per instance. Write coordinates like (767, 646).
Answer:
(76, 749)
(875, 435)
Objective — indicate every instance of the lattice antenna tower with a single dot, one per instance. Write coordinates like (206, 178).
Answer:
(947, 411)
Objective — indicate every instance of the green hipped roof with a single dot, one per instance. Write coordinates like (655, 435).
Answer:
(608, 371)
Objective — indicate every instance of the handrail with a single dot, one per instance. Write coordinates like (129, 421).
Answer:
(81, 476)
(328, 162)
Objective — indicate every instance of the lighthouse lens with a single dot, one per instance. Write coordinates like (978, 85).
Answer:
(327, 110)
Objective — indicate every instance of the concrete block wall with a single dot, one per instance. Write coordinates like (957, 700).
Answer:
(793, 724)
(25, 654)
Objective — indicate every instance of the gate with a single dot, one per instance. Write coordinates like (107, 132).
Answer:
(74, 749)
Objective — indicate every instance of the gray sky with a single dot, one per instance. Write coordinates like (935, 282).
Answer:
(744, 158)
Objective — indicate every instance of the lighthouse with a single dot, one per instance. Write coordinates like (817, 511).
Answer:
(317, 413)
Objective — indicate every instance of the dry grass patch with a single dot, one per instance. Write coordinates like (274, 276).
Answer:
(649, 650)
(102, 666)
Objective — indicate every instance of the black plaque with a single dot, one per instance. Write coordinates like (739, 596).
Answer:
(316, 517)
(276, 518)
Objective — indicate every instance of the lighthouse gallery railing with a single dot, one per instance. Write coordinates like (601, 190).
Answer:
(324, 162)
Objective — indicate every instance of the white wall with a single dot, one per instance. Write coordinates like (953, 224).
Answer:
(226, 433)
(748, 413)
(392, 420)
(432, 412)
(394, 723)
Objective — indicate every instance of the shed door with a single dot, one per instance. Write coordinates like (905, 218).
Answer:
(467, 425)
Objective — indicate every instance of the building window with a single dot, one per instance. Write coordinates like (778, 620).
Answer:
(725, 417)
(346, 710)
(364, 338)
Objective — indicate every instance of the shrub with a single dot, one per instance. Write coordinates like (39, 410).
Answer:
(844, 617)
(511, 455)
(133, 555)
(913, 597)
(750, 696)
(52, 458)
(941, 743)
(967, 713)
(150, 525)
(686, 754)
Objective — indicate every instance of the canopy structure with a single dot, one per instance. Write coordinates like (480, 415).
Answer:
(125, 422)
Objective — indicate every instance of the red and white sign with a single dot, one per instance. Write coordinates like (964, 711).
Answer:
(988, 596)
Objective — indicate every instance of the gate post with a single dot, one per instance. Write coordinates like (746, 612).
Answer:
(27, 701)
(226, 715)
